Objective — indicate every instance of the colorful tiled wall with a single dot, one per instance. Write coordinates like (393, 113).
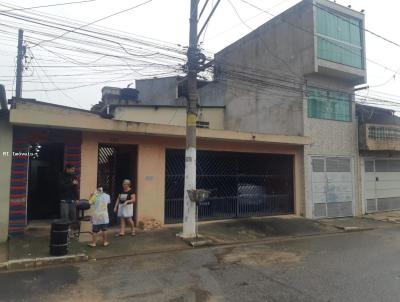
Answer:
(23, 137)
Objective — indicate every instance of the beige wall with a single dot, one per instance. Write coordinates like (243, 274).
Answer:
(5, 172)
(89, 156)
(151, 181)
(151, 166)
(150, 173)
(169, 115)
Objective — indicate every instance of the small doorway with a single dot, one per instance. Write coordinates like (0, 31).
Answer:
(45, 166)
(116, 163)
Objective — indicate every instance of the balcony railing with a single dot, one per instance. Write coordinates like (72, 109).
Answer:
(385, 133)
(374, 137)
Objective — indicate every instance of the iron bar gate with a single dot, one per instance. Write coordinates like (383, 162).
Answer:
(107, 174)
(243, 185)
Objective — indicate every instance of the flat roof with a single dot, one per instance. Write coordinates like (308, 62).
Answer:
(40, 114)
(34, 101)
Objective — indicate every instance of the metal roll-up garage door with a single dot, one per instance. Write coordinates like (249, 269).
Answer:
(382, 185)
(332, 186)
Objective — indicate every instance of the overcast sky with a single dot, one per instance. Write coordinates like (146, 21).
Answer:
(167, 20)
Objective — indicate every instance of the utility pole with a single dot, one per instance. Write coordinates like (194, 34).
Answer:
(189, 208)
(20, 67)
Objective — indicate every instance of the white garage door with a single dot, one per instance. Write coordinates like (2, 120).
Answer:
(332, 187)
(382, 185)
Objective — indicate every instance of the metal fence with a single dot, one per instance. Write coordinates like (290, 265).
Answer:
(107, 173)
(243, 185)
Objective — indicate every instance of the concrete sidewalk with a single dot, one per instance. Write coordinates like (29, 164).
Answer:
(352, 224)
(392, 216)
(32, 249)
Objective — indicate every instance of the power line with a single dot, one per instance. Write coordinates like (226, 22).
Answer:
(205, 30)
(116, 79)
(262, 39)
(266, 76)
(95, 21)
(202, 10)
(126, 49)
(208, 19)
(110, 48)
(108, 55)
(113, 41)
(104, 32)
(101, 29)
(99, 54)
(120, 79)
(248, 19)
(43, 6)
(87, 33)
(262, 83)
(41, 82)
(265, 89)
(55, 85)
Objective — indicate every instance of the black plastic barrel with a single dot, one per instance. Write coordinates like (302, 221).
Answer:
(59, 237)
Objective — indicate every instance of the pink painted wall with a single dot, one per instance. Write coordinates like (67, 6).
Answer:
(151, 166)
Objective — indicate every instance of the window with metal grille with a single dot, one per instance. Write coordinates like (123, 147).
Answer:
(337, 164)
(369, 166)
(339, 38)
(318, 165)
(383, 133)
(329, 105)
(383, 165)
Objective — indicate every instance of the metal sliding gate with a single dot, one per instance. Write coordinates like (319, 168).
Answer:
(243, 184)
(107, 173)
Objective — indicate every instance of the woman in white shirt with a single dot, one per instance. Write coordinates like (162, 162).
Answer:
(124, 207)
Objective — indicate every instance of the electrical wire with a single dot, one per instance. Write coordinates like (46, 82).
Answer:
(95, 21)
(55, 85)
(98, 53)
(89, 32)
(44, 6)
(263, 40)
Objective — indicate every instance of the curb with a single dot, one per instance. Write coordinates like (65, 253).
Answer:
(348, 229)
(217, 244)
(354, 229)
(392, 220)
(22, 264)
(41, 261)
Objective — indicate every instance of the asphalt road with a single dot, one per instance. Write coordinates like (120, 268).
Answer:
(362, 266)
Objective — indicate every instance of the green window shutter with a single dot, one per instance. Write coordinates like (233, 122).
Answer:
(339, 53)
(329, 105)
(355, 34)
(314, 102)
(339, 38)
(343, 30)
(342, 106)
